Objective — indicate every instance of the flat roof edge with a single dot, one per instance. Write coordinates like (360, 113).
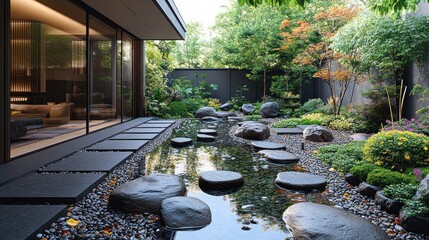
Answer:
(170, 11)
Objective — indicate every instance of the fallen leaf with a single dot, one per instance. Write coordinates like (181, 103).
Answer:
(72, 222)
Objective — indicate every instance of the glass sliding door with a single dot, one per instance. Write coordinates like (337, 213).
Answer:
(48, 73)
(103, 81)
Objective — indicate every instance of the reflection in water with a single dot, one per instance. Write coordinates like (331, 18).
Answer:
(257, 207)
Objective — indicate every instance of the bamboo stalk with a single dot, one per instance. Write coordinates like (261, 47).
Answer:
(390, 108)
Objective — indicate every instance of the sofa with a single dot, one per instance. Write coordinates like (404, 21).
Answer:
(52, 114)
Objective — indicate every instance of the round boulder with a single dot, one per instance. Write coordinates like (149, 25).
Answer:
(220, 182)
(390, 205)
(146, 193)
(423, 191)
(269, 110)
(254, 131)
(300, 181)
(206, 112)
(316, 221)
(205, 138)
(226, 106)
(181, 142)
(208, 131)
(247, 108)
(185, 213)
(278, 156)
(317, 133)
(268, 145)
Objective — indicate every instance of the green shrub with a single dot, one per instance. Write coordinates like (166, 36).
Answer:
(316, 118)
(401, 192)
(415, 208)
(383, 177)
(342, 157)
(214, 103)
(253, 117)
(361, 171)
(312, 105)
(341, 123)
(343, 163)
(397, 150)
(287, 123)
(176, 110)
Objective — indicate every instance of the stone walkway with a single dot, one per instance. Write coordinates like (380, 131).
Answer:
(38, 192)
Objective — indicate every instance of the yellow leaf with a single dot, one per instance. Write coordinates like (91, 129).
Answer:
(72, 222)
(332, 169)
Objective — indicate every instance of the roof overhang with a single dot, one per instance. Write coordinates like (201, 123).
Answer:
(146, 19)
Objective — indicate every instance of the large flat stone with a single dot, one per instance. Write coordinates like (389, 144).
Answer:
(268, 145)
(154, 125)
(131, 136)
(288, 130)
(118, 145)
(317, 221)
(220, 182)
(19, 222)
(181, 142)
(207, 131)
(57, 188)
(279, 156)
(300, 181)
(89, 162)
(145, 130)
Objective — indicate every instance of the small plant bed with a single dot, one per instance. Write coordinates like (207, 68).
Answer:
(335, 123)
(395, 161)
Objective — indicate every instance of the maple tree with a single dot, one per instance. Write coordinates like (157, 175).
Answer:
(314, 37)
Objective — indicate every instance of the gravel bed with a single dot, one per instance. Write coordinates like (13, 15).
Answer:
(97, 221)
(340, 193)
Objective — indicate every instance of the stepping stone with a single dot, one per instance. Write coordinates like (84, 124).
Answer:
(205, 138)
(130, 136)
(161, 121)
(146, 193)
(268, 145)
(26, 221)
(235, 119)
(154, 125)
(181, 142)
(185, 213)
(302, 126)
(244, 122)
(210, 119)
(89, 162)
(220, 182)
(145, 130)
(288, 130)
(316, 221)
(300, 181)
(118, 145)
(56, 188)
(208, 131)
(212, 127)
(278, 156)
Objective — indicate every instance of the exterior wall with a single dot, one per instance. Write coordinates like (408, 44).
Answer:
(4, 80)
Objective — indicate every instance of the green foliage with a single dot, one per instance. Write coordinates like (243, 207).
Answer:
(253, 117)
(239, 99)
(287, 123)
(189, 53)
(175, 110)
(214, 102)
(397, 150)
(415, 208)
(401, 192)
(423, 92)
(341, 123)
(315, 118)
(382, 177)
(361, 171)
(342, 157)
(312, 105)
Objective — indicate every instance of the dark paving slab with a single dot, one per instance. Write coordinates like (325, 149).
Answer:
(302, 126)
(288, 130)
(268, 145)
(161, 121)
(89, 162)
(25, 221)
(154, 125)
(131, 136)
(145, 130)
(57, 188)
(300, 181)
(279, 156)
(118, 145)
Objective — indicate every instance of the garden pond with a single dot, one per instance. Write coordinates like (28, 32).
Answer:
(253, 212)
